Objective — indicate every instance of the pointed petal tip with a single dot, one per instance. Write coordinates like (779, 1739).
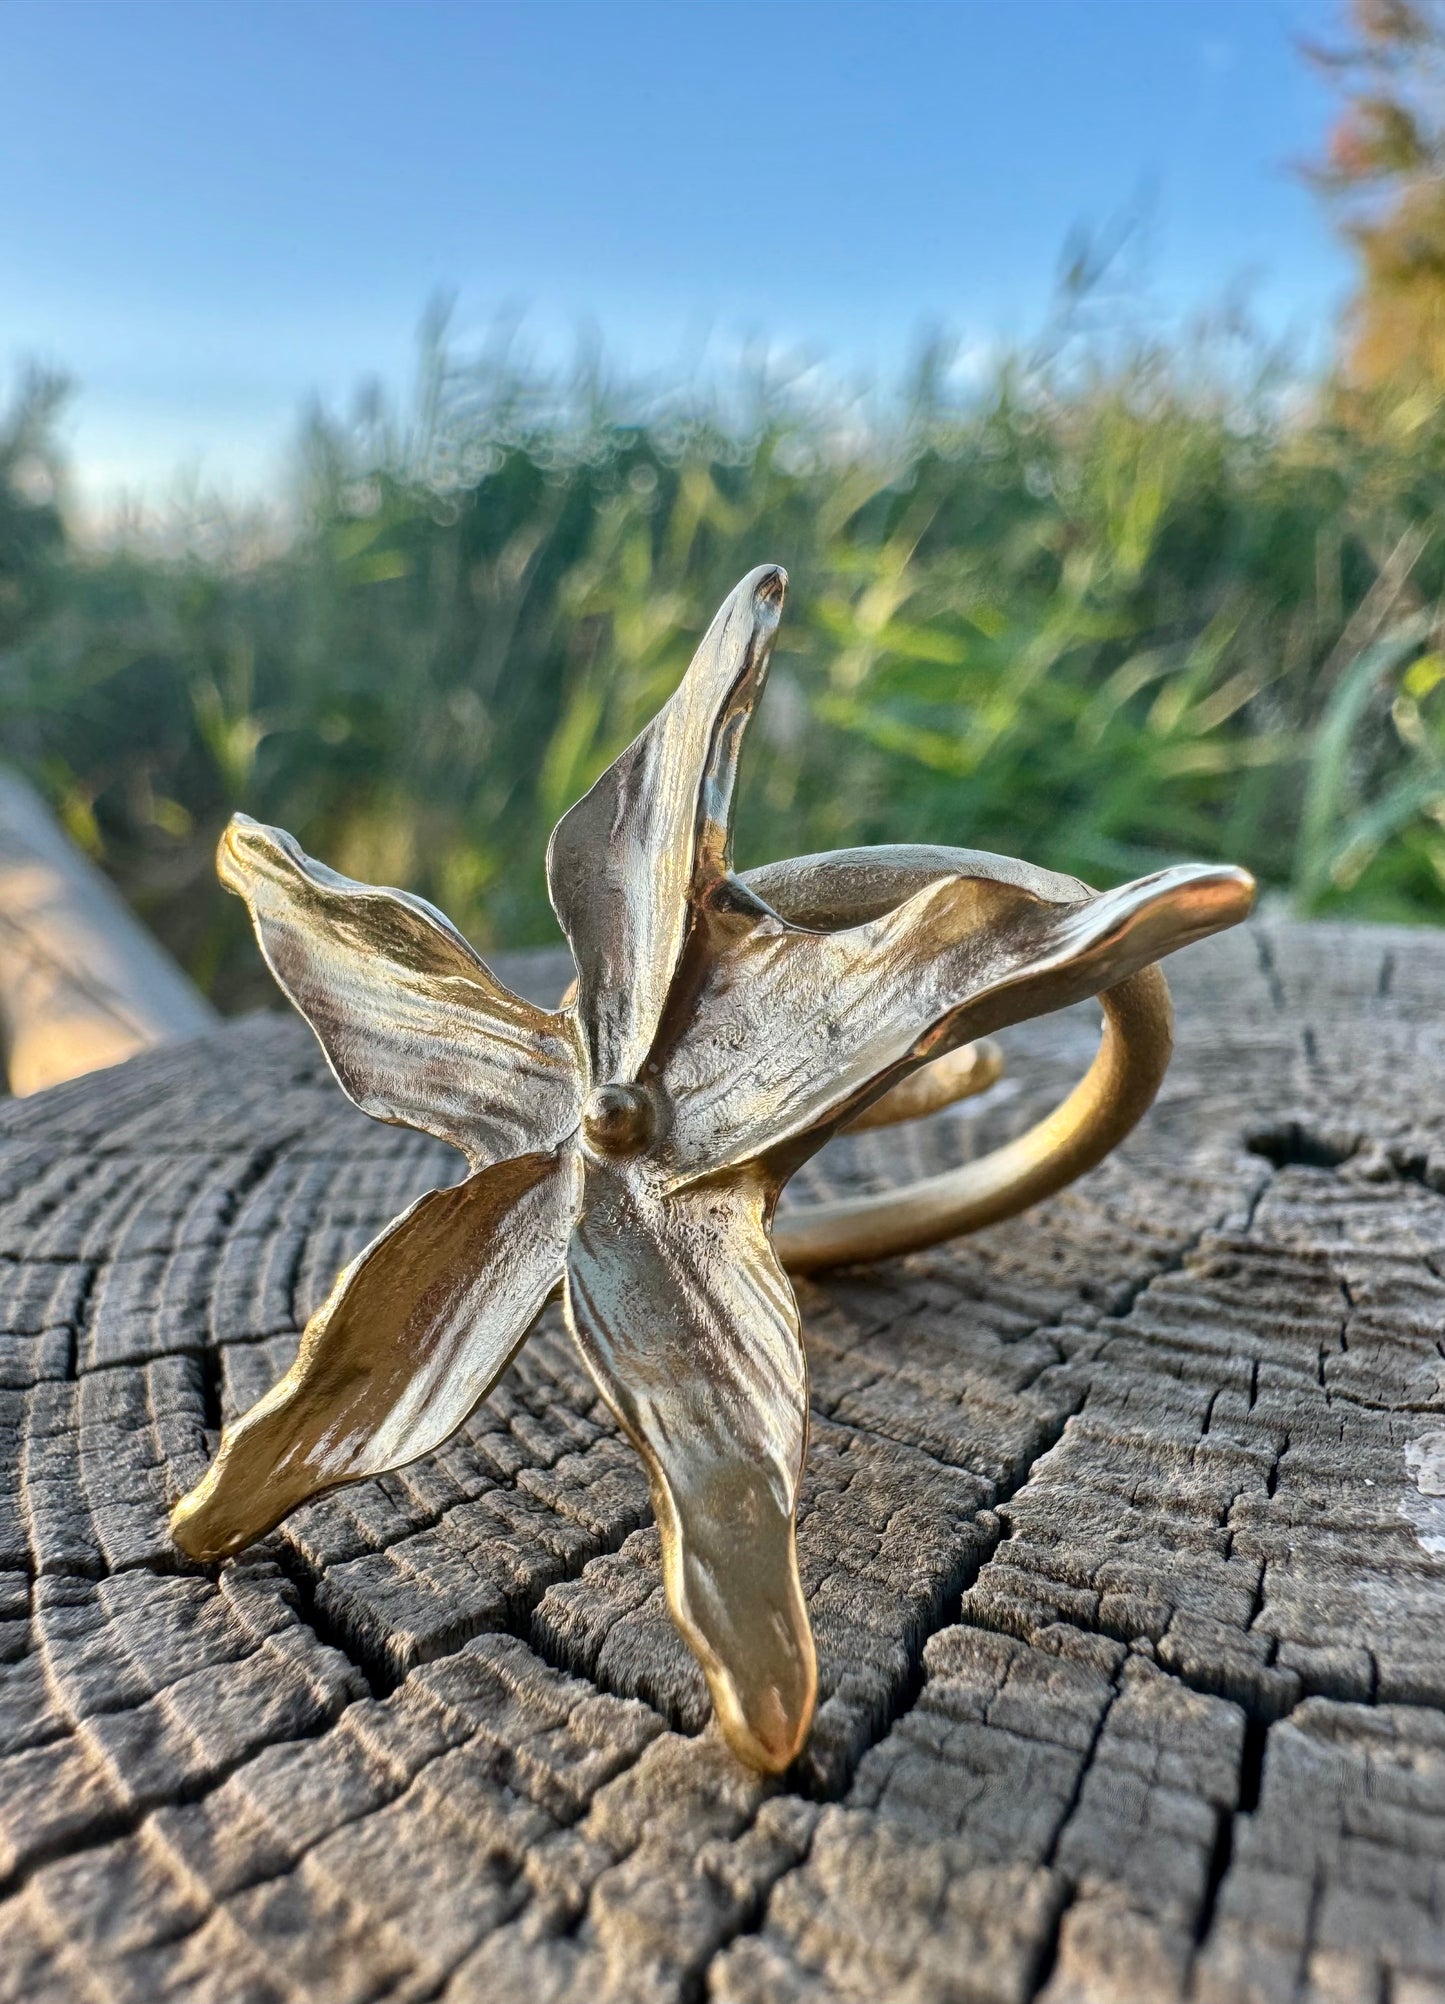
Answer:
(1170, 909)
(1217, 894)
(229, 862)
(762, 1673)
(768, 1752)
(195, 1532)
(244, 842)
(759, 596)
(768, 1728)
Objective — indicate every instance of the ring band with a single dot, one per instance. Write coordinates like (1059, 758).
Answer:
(851, 887)
(1113, 1095)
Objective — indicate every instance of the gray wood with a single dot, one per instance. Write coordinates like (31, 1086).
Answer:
(1124, 1535)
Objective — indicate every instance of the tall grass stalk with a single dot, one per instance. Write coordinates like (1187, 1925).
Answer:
(1100, 615)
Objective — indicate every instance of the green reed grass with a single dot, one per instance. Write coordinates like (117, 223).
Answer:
(1102, 615)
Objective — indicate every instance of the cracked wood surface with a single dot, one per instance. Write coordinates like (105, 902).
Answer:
(1123, 1533)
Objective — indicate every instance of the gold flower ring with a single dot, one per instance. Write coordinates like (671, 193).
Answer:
(632, 1144)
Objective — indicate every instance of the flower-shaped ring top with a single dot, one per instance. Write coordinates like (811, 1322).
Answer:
(633, 1144)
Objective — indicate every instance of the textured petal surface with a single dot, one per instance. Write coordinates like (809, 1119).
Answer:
(690, 1328)
(838, 888)
(415, 1026)
(417, 1329)
(623, 861)
(789, 1028)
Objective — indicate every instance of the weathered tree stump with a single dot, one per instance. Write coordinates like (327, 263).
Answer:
(1123, 1532)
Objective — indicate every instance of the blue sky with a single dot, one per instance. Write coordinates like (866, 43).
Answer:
(212, 211)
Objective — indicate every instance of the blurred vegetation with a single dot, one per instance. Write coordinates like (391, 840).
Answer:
(1110, 608)
(1384, 174)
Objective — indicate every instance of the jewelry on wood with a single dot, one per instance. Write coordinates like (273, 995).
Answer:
(632, 1144)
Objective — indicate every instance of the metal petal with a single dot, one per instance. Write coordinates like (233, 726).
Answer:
(416, 1027)
(623, 862)
(689, 1326)
(792, 1030)
(416, 1330)
(846, 887)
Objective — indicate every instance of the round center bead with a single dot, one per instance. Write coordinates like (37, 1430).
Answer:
(618, 1119)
